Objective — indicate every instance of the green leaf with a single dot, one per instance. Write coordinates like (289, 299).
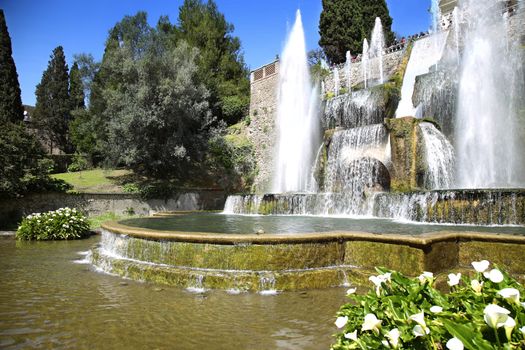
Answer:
(470, 339)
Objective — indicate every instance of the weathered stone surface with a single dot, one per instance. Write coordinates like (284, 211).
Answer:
(406, 149)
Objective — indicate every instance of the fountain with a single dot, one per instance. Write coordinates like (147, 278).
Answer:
(377, 46)
(339, 206)
(365, 64)
(337, 84)
(488, 147)
(297, 122)
(348, 71)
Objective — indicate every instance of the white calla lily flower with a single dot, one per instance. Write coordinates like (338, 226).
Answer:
(480, 266)
(351, 291)
(453, 279)
(510, 294)
(436, 309)
(426, 276)
(494, 275)
(420, 331)
(419, 318)
(351, 336)
(522, 330)
(509, 326)
(455, 344)
(476, 286)
(495, 316)
(341, 321)
(371, 323)
(393, 337)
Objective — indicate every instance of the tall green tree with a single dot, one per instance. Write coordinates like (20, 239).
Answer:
(344, 24)
(221, 62)
(53, 107)
(11, 109)
(76, 88)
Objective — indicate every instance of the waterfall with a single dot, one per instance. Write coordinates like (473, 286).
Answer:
(377, 46)
(488, 148)
(297, 120)
(455, 25)
(337, 84)
(425, 54)
(439, 155)
(348, 71)
(364, 63)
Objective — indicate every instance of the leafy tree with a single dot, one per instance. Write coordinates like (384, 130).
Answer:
(344, 24)
(87, 67)
(10, 102)
(53, 107)
(220, 60)
(155, 105)
(76, 88)
(24, 165)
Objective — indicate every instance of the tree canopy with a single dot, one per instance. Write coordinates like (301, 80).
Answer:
(11, 108)
(344, 24)
(53, 106)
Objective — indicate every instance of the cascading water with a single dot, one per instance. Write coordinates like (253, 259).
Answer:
(377, 46)
(439, 156)
(365, 63)
(297, 120)
(425, 54)
(489, 151)
(348, 71)
(455, 25)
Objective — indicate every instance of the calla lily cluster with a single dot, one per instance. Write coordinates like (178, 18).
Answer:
(484, 312)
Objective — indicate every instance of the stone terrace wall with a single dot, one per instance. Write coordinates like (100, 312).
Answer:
(263, 115)
(390, 64)
(12, 210)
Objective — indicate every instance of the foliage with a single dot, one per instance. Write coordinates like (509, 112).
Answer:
(87, 68)
(231, 159)
(76, 88)
(64, 223)
(24, 167)
(84, 134)
(221, 63)
(53, 106)
(485, 312)
(11, 109)
(79, 163)
(344, 24)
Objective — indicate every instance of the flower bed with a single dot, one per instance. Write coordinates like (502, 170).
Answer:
(64, 223)
(484, 313)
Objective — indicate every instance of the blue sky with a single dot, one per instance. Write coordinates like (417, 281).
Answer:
(38, 26)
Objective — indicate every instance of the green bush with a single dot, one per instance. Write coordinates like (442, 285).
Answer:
(484, 312)
(64, 223)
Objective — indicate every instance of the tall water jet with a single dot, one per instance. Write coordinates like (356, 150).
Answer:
(455, 25)
(348, 71)
(337, 83)
(436, 16)
(297, 120)
(364, 63)
(377, 46)
(488, 148)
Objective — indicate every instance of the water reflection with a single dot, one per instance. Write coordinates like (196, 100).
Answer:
(48, 301)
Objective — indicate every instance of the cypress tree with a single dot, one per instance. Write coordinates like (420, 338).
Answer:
(11, 109)
(53, 106)
(76, 90)
(344, 24)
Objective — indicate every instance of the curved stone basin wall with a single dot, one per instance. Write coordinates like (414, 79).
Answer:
(250, 262)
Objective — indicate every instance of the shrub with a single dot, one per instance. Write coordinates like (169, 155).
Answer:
(64, 223)
(485, 312)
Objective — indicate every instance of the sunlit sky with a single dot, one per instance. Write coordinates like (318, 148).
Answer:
(38, 26)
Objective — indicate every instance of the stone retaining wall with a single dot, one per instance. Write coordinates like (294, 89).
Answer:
(12, 210)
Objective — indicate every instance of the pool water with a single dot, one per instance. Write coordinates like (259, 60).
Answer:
(223, 223)
(50, 300)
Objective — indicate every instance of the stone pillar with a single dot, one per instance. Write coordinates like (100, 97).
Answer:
(407, 151)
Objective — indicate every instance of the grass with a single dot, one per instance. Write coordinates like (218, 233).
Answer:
(96, 221)
(96, 180)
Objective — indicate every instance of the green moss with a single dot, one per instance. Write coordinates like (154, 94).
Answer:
(397, 77)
